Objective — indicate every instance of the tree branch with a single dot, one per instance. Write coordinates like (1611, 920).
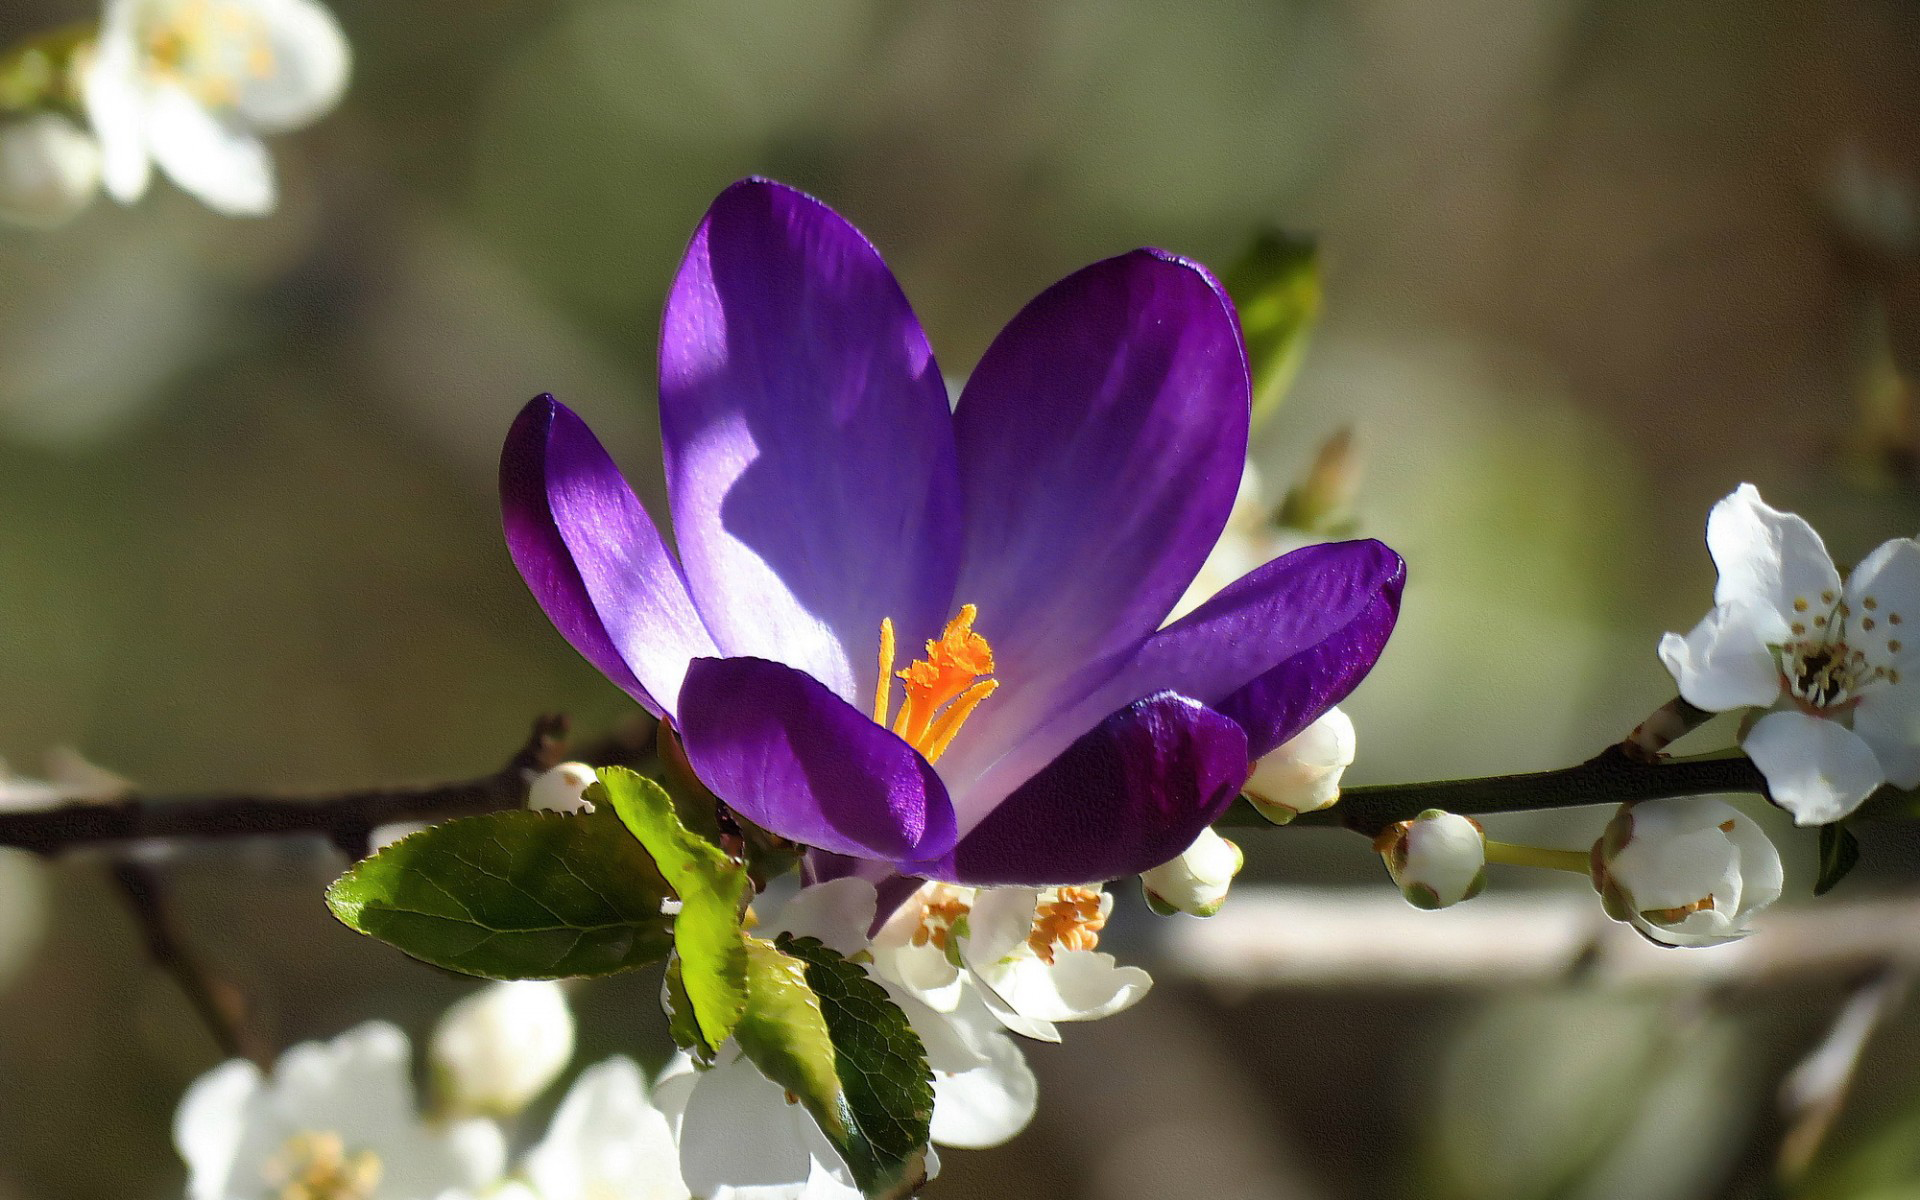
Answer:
(346, 818)
(220, 1005)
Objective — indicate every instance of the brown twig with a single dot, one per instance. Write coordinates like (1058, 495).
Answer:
(345, 818)
(221, 1006)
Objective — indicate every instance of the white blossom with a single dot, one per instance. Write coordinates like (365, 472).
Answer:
(190, 85)
(335, 1119)
(495, 1051)
(1831, 663)
(1690, 871)
(1303, 773)
(1250, 539)
(562, 789)
(1031, 953)
(607, 1141)
(1437, 859)
(49, 170)
(1196, 881)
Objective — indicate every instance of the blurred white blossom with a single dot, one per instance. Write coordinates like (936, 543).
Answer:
(1831, 663)
(494, 1052)
(335, 1119)
(1196, 882)
(1437, 859)
(561, 789)
(49, 170)
(1303, 773)
(1690, 871)
(190, 85)
(607, 1141)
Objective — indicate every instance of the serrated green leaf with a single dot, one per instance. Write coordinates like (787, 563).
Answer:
(712, 887)
(1275, 285)
(819, 1027)
(513, 895)
(1839, 854)
(681, 1024)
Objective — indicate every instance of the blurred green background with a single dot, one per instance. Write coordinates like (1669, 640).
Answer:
(1589, 265)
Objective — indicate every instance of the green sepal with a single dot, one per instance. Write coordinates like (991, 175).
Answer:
(1839, 854)
(1275, 285)
(820, 1028)
(713, 888)
(513, 895)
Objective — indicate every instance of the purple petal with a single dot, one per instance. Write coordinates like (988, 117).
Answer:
(809, 447)
(1128, 796)
(1101, 441)
(1272, 651)
(593, 558)
(794, 758)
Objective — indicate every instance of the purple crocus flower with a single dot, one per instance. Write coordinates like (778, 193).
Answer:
(833, 513)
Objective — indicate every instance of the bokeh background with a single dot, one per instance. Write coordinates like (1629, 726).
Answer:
(1590, 263)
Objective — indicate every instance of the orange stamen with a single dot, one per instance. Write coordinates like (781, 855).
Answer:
(942, 689)
(883, 694)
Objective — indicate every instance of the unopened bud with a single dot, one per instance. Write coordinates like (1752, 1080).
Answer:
(562, 789)
(1322, 502)
(1438, 858)
(1689, 871)
(498, 1049)
(1196, 882)
(49, 170)
(1303, 773)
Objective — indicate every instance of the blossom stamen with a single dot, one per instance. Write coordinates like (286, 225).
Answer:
(942, 908)
(942, 689)
(316, 1166)
(1068, 918)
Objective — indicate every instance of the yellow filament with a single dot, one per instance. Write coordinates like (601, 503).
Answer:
(883, 694)
(941, 690)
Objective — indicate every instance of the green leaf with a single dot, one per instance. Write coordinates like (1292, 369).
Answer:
(681, 1024)
(1839, 854)
(819, 1027)
(712, 887)
(1276, 286)
(513, 895)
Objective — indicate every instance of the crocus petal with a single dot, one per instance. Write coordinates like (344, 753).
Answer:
(1101, 440)
(222, 164)
(1272, 651)
(1129, 795)
(1766, 557)
(1816, 769)
(115, 103)
(794, 758)
(809, 449)
(592, 557)
(304, 70)
(1725, 662)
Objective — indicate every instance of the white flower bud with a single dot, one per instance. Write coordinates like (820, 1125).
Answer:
(496, 1050)
(1303, 773)
(559, 790)
(1689, 871)
(1438, 858)
(49, 170)
(1196, 882)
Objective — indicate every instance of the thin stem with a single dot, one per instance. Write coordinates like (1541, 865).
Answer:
(1513, 854)
(222, 1008)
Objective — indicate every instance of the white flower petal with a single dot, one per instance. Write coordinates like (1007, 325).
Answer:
(989, 1104)
(1887, 718)
(561, 789)
(499, 1048)
(999, 923)
(1890, 577)
(304, 70)
(948, 1044)
(838, 912)
(1303, 773)
(1766, 557)
(607, 1142)
(739, 1131)
(1080, 985)
(1816, 769)
(1672, 868)
(115, 101)
(358, 1085)
(1725, 662)
(209, 1124)
(223, 165)
(49, 170)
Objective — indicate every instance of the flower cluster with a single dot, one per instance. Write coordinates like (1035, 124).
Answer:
(188, 86)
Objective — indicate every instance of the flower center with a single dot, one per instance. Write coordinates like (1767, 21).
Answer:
(316, 1166)
(942, 689)
(1823, 672)
(1679, 913)
(1068, 918)
(942, 907)
(207, 47)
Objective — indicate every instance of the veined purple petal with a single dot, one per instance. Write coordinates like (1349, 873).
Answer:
(592, 557)
(1129, 795)
(1272, 651)
(794, 758)
(1101, 441)
(809, 448)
